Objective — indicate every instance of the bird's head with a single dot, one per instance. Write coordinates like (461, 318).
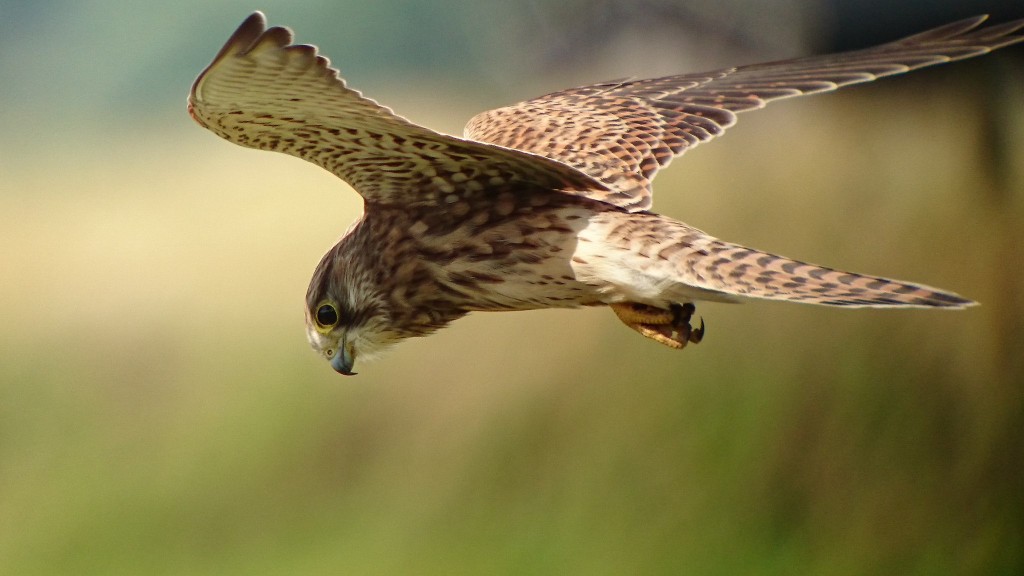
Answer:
(347, 317)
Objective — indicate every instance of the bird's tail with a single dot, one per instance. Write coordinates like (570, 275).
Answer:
(733, 270)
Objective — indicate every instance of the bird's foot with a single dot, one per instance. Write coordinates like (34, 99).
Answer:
(670, 327)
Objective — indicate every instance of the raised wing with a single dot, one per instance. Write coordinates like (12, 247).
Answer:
(263, 92)
(622, 133)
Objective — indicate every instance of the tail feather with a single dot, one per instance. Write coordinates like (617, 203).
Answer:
(732, 269)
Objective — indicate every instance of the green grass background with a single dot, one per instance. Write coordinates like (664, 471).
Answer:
(161, 412)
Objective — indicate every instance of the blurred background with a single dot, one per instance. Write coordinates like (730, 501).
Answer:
(161, 412)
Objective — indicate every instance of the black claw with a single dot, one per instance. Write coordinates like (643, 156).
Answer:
(697, 335)
(681, 314)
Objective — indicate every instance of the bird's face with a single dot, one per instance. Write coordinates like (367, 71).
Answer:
(345, 322)
(330, 339)
(342, 335)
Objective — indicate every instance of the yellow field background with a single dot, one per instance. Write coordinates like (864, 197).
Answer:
(162, 413)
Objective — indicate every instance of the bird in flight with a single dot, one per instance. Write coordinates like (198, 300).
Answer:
(541, 204)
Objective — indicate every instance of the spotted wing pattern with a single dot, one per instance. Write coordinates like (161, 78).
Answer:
(622, 133)
(263, 92)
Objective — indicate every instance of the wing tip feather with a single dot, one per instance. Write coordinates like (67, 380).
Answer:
(946, 31)
(251, 35)
(245, 36)
(992, 36)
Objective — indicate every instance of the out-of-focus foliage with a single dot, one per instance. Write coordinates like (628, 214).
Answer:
(160, 412)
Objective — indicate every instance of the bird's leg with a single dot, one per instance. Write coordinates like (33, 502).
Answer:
(670, 327)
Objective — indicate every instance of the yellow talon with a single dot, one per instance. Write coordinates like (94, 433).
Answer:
(669, 327)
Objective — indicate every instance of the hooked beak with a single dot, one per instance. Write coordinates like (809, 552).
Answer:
(344, 359)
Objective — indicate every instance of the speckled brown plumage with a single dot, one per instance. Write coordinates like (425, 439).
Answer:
(622, 133)
(543, 203)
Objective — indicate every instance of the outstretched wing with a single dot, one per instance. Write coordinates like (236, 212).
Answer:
(622, 133)
(263, 92)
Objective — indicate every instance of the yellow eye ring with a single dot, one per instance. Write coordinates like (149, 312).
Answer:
(327, 315)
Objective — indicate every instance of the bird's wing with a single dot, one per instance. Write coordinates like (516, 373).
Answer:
(622, 133)
(262, 91)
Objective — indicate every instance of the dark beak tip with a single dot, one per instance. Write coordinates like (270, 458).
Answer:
(341, 366)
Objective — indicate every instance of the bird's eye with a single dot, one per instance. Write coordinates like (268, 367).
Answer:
(326, 315)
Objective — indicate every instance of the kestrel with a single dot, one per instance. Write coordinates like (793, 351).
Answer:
(542, 204)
